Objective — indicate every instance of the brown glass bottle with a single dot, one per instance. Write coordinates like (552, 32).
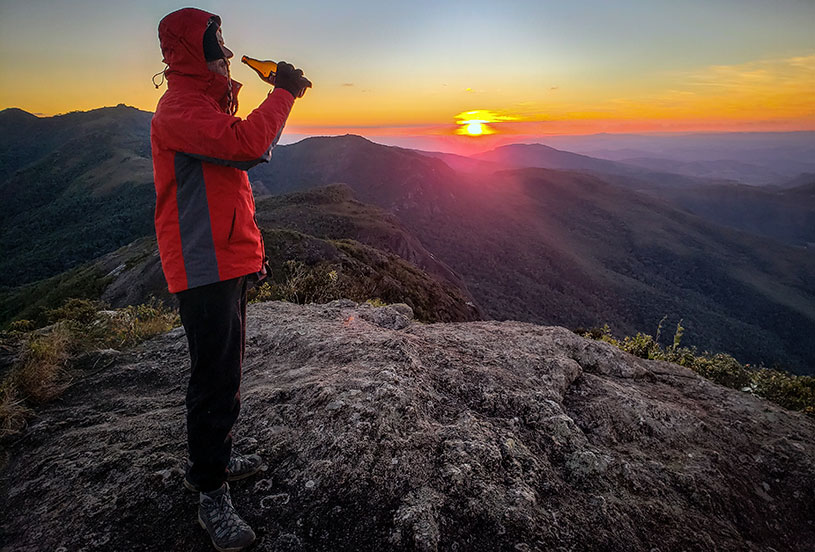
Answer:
(266, 69)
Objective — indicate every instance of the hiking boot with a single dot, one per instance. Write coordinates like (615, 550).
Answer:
(240, 466)
(227, 530)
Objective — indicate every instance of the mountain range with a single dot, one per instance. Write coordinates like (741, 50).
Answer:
(528, 233)
(776, 212)
(756, 158)
(569, 248)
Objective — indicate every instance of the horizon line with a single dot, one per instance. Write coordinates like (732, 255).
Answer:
(340, 128)
(302, 132)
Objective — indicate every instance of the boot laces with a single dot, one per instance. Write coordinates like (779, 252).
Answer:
(225, 520)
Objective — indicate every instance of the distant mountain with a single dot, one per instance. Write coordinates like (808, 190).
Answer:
(802, 191)
(718, 170)
(26, 139)
(73, 187)
(572, 249)
(760, 210)
(802, 180)
(783, 153)
(331, 212)
(372, 244)
(464, 164)
(373, 168)
(540, 156)
(785, 215)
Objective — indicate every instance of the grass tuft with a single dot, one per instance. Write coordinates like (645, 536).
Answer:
(42, 371)
(41, 375)
(13, 411)
(300, 283)
(133, 324)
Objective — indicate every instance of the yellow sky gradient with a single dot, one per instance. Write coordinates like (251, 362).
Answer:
(765, 94)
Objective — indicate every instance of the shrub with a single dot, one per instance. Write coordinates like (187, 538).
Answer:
(722, 369)
(598, 334)
(80, 310)
(790, 391)
(263, 292)
(35, 301)
(641, 345)
(21, 326)
(783, 388)
(301, 283)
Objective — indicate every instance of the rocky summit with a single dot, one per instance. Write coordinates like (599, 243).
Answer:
(383, 433)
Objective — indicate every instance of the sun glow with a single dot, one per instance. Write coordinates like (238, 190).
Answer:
(474, 127)
(480, 122)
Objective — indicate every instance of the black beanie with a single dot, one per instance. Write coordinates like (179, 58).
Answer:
(212, 50)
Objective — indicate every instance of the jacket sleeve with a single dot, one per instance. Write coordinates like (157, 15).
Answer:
(200, 131)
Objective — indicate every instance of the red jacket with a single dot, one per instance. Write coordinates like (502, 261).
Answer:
(205, 221)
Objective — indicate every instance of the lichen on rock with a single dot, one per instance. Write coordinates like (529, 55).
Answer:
(382, 433)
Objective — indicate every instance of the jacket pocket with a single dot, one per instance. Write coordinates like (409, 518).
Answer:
(232, 226)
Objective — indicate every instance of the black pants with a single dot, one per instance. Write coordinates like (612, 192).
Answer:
(214, 318)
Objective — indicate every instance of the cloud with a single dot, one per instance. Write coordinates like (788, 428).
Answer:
(484, 116)
(348, 84)
(764, 89)
(774, 73)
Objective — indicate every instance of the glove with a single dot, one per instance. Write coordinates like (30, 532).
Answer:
(291, 79)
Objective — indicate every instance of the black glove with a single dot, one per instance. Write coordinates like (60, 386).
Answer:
(291, 79)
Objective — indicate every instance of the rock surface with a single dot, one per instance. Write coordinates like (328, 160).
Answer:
(383, 433)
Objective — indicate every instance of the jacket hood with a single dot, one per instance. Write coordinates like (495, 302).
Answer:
(181, 35)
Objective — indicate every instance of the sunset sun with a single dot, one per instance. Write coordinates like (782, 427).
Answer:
(474, 128)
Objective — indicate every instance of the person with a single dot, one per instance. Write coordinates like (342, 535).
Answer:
(210, 246)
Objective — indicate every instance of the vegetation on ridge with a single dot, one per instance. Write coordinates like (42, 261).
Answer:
(308, 269)
(779, 386)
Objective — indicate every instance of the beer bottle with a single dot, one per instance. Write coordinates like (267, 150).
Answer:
(266, 69)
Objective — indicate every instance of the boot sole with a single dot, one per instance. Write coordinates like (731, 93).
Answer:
(218, 548)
